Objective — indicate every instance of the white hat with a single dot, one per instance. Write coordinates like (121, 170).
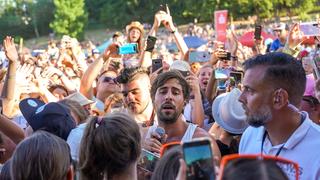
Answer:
(180, 65)
(228, 112)
(78, 97)
(279, 27)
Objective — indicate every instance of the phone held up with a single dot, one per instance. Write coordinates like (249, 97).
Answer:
(199, 159)
(199, 56)
(156, 64)
(257, 32)
(148, 160)
(131, 48)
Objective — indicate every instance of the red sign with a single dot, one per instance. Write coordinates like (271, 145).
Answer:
(220, 24)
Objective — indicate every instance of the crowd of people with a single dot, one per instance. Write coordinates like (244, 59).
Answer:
(72, 112)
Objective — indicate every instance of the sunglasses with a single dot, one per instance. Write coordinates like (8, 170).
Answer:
(167, 146)
(108, 79)
(311, 100)
(281, 162)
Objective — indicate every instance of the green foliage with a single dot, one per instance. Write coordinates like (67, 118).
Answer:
(119, 13)
(25, 17)
(70, 18)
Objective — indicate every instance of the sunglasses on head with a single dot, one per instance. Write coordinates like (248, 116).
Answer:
(311, 100)
(166, 147)
(235, 158)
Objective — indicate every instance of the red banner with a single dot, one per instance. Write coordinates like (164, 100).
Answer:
(220, 24)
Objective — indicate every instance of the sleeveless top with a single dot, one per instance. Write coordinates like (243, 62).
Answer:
(186, 137)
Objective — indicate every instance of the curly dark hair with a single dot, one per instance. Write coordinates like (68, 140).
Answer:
(164, 77)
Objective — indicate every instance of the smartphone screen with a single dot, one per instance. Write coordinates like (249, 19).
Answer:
(199, 56)
(309, 30)
(148, 160)
(151, 41)
(316, 67)
(131, 48)
(257, 32)
(198, 157)
(156, 64)
(163, 8)
(221, 73)
(237, 76)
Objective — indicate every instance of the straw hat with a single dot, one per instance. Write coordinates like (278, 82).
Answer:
(134, 24)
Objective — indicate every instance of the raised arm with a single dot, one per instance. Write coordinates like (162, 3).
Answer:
(10, 129)
(147, 52)
(8, 90)
(168, 24)
(93, 71)
(197, 112)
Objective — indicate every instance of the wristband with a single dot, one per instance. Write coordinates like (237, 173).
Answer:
(172, 32)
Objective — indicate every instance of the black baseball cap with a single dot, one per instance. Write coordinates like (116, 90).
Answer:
(52, 117)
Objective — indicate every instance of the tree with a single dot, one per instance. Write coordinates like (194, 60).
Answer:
(70, 18)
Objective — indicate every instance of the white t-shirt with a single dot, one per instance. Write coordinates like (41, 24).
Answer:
(303, 147)
(74, 140)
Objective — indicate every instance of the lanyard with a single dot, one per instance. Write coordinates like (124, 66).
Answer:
(280, 149)
(262, 143)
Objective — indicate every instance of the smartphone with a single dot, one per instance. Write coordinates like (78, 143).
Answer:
(309, 29)
(148, 160)
(151, 41)
(156, 64)
(221, 73)
(199, 56)
(257, 32)
(163, 8)
(237, 76)
(199, 159)
(131, 48)
(226, 56)
(315, 62)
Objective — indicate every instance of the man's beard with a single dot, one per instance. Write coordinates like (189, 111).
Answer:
(260, 118)
(168, 118)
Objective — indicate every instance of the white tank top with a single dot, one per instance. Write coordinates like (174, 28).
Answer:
(186, 137)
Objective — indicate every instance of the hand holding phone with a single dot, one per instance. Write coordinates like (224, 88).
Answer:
(156, 64)
(257, 32)
(148, 160)
(224, 55)
(199, 56)
(131, 48)
(308, 29)
(199, 159)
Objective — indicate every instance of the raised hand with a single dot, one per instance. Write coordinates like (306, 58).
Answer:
(294, 37)
(168, 22)
(10, 49)
(23, 73)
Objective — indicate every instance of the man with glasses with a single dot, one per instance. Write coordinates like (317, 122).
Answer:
(105, 81)
(273, 88)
